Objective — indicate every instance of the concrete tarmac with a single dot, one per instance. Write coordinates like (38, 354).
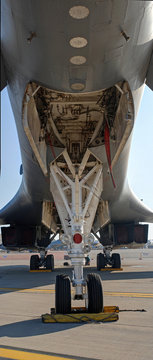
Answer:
(24, 296)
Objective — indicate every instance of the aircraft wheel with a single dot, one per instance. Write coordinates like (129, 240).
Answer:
(101, 261)
(95, 293)
(50, 262)
(116, 261)
(63, 294)
(34, 262)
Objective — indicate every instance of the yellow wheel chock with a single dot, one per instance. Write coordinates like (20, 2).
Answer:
(40, 270)
(111, 269)
(109, 314)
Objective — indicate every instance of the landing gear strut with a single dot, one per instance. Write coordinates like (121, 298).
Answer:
(76, 202)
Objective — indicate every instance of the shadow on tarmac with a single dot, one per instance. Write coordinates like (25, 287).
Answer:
(46, 278)
(33, 327)
(18, 277)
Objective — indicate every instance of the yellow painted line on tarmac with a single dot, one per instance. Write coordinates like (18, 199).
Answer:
(28, 290)
(107, 293)
(111, 269)
(26, 355)
(129, 294)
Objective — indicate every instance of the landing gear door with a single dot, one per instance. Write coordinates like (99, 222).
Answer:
(33, 130)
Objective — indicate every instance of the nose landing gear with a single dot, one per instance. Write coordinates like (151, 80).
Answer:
(76, 194)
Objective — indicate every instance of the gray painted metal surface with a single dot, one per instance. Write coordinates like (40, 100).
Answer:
(3, 76)
(149, 80)
(36, 47)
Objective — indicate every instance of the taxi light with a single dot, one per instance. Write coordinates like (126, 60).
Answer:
(77, 238)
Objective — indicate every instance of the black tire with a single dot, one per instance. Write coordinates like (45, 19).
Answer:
(116, 261)
(63, 294)
(34, 262)
(101, 261)
(95, 293)
(50, 262)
